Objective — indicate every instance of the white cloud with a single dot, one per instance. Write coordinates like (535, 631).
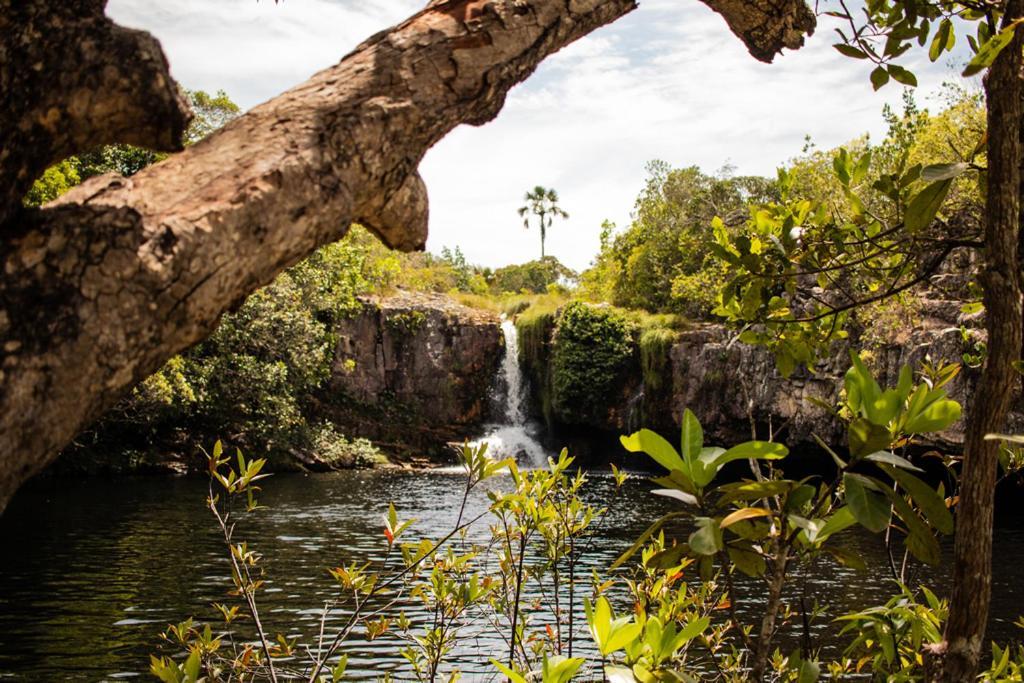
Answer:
(668, 81)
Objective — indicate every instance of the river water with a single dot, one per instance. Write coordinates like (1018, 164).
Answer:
(93, 569)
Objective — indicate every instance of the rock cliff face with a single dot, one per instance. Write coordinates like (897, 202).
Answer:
(414, 371)
(734, 388)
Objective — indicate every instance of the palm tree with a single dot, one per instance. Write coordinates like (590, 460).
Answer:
(543, 203)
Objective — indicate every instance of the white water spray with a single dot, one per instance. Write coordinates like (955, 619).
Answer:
(513, 436)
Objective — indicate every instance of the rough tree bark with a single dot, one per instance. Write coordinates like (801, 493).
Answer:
(960, 654)
(104, 285)
(72, 80)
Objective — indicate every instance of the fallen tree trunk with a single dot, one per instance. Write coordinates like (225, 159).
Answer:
(104, 285)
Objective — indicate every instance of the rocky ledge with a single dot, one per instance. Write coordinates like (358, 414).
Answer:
(735, 389)
(413, 371)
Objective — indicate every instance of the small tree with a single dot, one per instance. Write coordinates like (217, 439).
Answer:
(542, 202)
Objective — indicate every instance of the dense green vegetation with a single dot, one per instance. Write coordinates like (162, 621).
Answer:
(662, 261)
(840, 243)
(260, 379)
(586, 344)
(643, 621)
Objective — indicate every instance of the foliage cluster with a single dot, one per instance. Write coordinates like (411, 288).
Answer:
(591, 348)
(669, 258)
(579, 356)
(855, 235)
(661, 262)
(687, 618)
(254, 380)
(532, 277)
(539, 531)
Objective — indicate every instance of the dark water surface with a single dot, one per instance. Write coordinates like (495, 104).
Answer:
(92, 570)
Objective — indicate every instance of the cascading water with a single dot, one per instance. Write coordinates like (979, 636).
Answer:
(513, 436)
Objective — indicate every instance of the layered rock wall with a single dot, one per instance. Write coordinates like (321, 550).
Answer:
(414, 371)
(735, 389)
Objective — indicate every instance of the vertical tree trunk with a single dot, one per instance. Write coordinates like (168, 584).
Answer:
(972, 570)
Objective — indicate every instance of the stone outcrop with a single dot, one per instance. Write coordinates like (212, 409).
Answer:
(729, 385)
(413, 371)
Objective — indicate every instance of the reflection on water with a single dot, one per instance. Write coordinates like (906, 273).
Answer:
(92, 570)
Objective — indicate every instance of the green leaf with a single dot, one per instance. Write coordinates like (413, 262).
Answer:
(559, 669)
(972, 307)
(870, 509)
(850, 51)
(879, 77)
(810, 671)
(840, 520)
(861, 388)
(192, 665)
(784, 362)
(748, 562)
(512, 675)
(935, 172)
(848, 558)
(654, 445)
(692, 438)
(755, 490)
(864, 437)
(756, 450)
(622, 635)
(704, 466)
(338, 672)
(919, 540)
(668, 558)
(619, 674)
(945, 39)
(903, 76)
(990, 49)
(926, 204)
(677, 480)
(930, 411)
(905, 384)
(892, 459)
(928, 499)
(693, 628)
(707, 539)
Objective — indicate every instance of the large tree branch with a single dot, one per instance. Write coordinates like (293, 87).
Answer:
(72, 80)
(103, 286)
(766, 26)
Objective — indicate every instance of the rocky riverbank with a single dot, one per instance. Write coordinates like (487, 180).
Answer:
(733, 388)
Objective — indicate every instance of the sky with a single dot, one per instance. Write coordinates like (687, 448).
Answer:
(669, 81)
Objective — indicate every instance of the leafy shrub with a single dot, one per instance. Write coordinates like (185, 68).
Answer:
(336, 450)
(531, 277)
(655, 344)
(662, 260)
(591, 348)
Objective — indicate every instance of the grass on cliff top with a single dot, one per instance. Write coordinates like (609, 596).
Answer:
(483, 302)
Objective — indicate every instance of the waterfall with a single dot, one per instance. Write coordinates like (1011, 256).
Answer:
(513, 435)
